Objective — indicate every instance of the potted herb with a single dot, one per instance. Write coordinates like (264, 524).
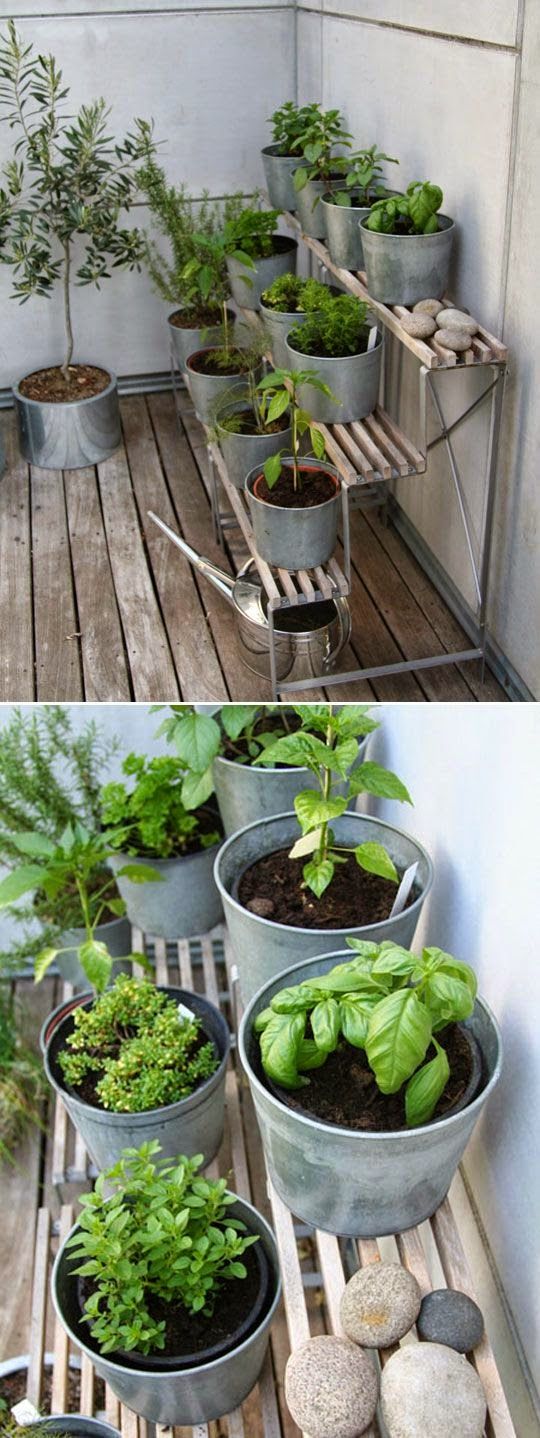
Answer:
(256, 254)
(21, 1081)
(343, 208)
(280, 159)
(294, 501)
(169, 1285)
(285, 304)
(407, 246)
(245, 434)
(64, 193)
(323, 131)
(338, 345)
(64, 1425)
(228, 746)
(140, 1062)
(210, 370)
(152, 823)
(418, 1056)
(186, 224)
(300, 882)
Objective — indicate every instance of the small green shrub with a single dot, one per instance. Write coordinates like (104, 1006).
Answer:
(288, 124)
(339, 329)
(133, 1037)
(250, 235)
(290, 294)
(153, 811)
(164, 1233)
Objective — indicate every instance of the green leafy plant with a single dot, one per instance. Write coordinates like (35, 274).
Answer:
(328, 746)
(143, 1052)
(22, 1082)
(340, 328)
(362, 176)
(385, 1000)
(76, 862)
(250, 235)
(289, 123)
(151, 818)
(66, 185)
(322, 131)
(164, 1233)
(281, 388)
(186, 224)
(414, 213)
(290, 294)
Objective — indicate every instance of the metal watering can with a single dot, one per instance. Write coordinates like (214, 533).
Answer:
(308, 637)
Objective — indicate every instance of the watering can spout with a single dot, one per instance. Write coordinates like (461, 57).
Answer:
(221, 581)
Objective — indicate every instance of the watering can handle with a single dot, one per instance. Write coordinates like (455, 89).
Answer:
(344, 629)
(221, 581)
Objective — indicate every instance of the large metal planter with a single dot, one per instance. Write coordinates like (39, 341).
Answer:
(295, 538)
(345, 1181)
(402, 269)
(192, 1125)
(191, 1396)
(116, 935)
(186, 342)
(353, 379)
(243, 452)
(343, 233)
(278, 173)
(209, 390)
(185, 902)
(246, 794)
(72, 435)
(247, 285)
(262, 948)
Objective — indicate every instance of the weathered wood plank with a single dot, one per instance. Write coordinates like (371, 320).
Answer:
(105, 670)
(56, 628)
(16, 630)
(36, 1345)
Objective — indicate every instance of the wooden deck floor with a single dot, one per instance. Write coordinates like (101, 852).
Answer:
(97, 605)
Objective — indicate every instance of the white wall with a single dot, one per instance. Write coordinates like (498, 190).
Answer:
(455, 94)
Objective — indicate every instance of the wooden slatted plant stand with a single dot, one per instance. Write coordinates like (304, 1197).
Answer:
(314, 1266)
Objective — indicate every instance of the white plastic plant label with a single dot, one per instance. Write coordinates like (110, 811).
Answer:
(184, 1013)
(25, 1413)
(372, 340)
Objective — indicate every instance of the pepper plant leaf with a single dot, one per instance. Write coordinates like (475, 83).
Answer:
(371, 778)
(374, 858)
(197, 740)
(313, 809)
(96, 963)
(318, 875)
(21, 881)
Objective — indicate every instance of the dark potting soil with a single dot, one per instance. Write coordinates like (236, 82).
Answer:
(344, 1091)
(187, 1333)
(195, 319)
(13, 1390)
(86, 1090)
(84, 382)
(205, 362)
(272, 888)
(272, 722)
(317, 487)
(245, 423)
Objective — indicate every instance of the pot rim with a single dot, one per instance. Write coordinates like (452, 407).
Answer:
(398, 1135)
(168, 1373)
(267, 769)
(288, 243)
(295, 315)
(117, 1119)
(195, 329)
(363, 355)
(206, 349)
(297, 929)
(328, 468)
(271, 150)
(234, 404)
(169, 862)
(109, 924)
(450, 225)
(66, 403)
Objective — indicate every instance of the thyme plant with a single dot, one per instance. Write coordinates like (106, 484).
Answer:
(339, 328)
(290, 294)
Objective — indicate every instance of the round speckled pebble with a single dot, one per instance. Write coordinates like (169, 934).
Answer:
(428, 1391)
(419, 326)
(379, 1304)
(428, 307)
(451, 1317)
(331, 1388)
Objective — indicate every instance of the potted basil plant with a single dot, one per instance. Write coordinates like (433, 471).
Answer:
(256, 254)
(284, 305)
(340, 347)
(362, 183)
(169, 1285)
(374, 1067)
(408, 245)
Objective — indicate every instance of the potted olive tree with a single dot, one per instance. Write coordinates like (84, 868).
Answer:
(407, 246)
(256, 254)
(284, 306)
(374, 1068)
(322, 132)
(360, 185)
(245, 433)
(64, 193)
(293, 500)
(138, 1062)
(339, 346)
(177, 1327)
(151, 823)
(280, 159)
(300, 882)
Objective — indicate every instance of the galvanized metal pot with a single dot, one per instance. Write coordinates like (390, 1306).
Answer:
(261, 947)
(193, 1395)
(278, 173)
(72, 435)
(68, 1423)
(246, 794)
(295, 538)
(277, 324)
(351, 1182)
(353, 379)
(309, 209)
(243, 452)
(185, 342)
(192, 1125)
(208, 390)
(116, 935)
(343, 233)
(402, 269)
(185, 902)
(247, 285)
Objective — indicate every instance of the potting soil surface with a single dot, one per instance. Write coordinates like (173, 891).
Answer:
(206, 363)
(13, 1390)
(272, 888)
(84, 382)
(317, 488)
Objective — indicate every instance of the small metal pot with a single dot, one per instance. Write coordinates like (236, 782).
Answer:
(353, 379)
(247, 285)
(191, 1125)
(187, 341)
(388, 1182)
(177, 1397)
(209, 390)
(185, 902)
(242, 452)
(343, 233)
(277, 324)
(74, 1423)
(309, 209)
(402, 269)
(295, 538)
(116, 935)
(72, 435)
(246, 794)
(278, 173)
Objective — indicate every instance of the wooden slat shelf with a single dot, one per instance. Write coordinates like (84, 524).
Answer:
(315, 1266)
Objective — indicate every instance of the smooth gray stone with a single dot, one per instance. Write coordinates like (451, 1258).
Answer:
(428, 307)
(450, 1317)
(331, 1388)
(421, 326)
(454, 339)
(379, 1304)
(457, 319)
(429, 1391)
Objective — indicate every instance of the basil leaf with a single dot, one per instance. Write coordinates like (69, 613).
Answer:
(309, 1056)
(355, 1017)
(280, 1043)
(375, 860)
(325, 1023)
(262, 1020)
(424, 1089)
(294, 1000)
(398, 1037)
(394, 960)
(448, 999)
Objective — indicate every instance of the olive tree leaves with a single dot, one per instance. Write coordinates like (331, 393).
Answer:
(385, 1000)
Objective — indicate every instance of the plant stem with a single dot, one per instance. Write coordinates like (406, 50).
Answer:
(225, 329)
(322, 852)
(81, 890)
(67, 311)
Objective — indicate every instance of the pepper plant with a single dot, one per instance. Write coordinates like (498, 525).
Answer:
(164, 1234)
(328, 746)
(414, 213)
(362, 176)
(281, 387)
(387, 1001)
(322, 131)
(66, 185)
